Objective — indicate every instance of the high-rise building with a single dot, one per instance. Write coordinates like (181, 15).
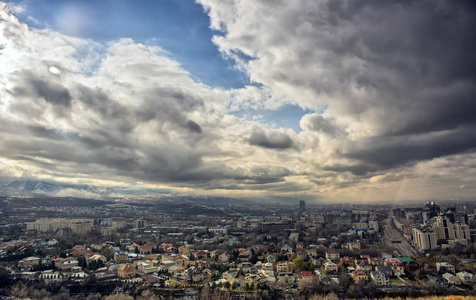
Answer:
(447, 230)
(302, 206)
(139, 223)
(81, 226)
(424, 238)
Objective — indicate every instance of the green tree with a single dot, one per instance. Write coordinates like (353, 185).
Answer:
(298, 264)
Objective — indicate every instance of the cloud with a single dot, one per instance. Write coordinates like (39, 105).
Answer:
(130, 115)
(272, 139)
(396, 79)
(389, 85)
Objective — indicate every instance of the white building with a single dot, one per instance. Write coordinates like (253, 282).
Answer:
(380, 278)
(424, 238)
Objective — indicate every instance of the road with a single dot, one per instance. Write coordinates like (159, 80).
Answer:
(391, 234)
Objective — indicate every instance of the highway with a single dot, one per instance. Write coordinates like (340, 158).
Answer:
(402, 245)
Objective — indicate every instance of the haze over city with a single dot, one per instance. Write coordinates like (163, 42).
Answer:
(323, 101)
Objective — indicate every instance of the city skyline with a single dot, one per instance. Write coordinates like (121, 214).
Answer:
(322, 101)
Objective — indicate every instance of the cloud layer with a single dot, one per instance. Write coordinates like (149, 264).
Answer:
(391, 86)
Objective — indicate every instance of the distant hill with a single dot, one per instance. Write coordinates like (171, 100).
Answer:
(38, 188)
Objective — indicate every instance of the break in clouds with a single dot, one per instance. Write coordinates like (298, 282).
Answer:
(391, 86)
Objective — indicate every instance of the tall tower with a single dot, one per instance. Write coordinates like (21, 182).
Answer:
(302, 207)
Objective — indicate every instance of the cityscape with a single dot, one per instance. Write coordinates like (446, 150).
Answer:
(95, 248)
(237, 149)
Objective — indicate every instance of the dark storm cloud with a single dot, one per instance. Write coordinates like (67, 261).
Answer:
(271, 139)
(383, 153)
(193, 127)
(400, 74)
(30, 85)
(316, 122)
(52, 92)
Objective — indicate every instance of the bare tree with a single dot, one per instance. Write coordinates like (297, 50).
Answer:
(19, 290)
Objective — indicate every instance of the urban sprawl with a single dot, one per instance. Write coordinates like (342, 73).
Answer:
(88, 249)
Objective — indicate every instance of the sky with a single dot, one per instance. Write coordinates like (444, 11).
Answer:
(325, 101)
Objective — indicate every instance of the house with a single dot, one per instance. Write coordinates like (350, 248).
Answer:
(285, 277)
(120, 257)
(145, 249)
(411, 267)
(332, 254)
(184, 250)
(174, 270)
(330, 267)
(286, 249)
(404, 259)
(239, 281)
(347, 261)
(77, 272)
(269, 274)
(284, 267)
(451, 279)
(359, 276)
(396, 266)
(426, 267)
(68, 263)
(271, 258)
(247, 267)
(195, 274)
(146, 267)
(29, 262)
(466, 278)
(267, 266)
(152, 256)
(364, 266)
(438, 280)
(209, 273)
(351, 246)
(311, 252)
(51, 275)
(380, 278)
(245, 255)
(386, 270)
(324, 279)
(182, 260)
(97, 258)
(254, 279)
(444, 267)
(229, 275)
(132, 247)
(375, 261)
(202, 254)
(126, 271)
(224, 258)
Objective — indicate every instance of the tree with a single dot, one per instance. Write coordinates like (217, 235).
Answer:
(298, 264)
(119, 297)
(19, 290)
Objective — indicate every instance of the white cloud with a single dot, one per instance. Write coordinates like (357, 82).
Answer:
(128, 113)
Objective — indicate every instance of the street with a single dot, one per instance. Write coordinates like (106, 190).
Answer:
(394, 239)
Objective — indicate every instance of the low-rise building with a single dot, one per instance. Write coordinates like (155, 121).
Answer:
(445, 267)
(126, 271)
(284, 267)
(466, 277)
(332, 254)
(380, 278)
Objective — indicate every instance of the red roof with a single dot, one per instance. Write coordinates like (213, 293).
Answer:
(126, 268)
(306, 273)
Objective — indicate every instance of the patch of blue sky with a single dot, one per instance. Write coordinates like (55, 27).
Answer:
(179, 27)
(287, 116)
